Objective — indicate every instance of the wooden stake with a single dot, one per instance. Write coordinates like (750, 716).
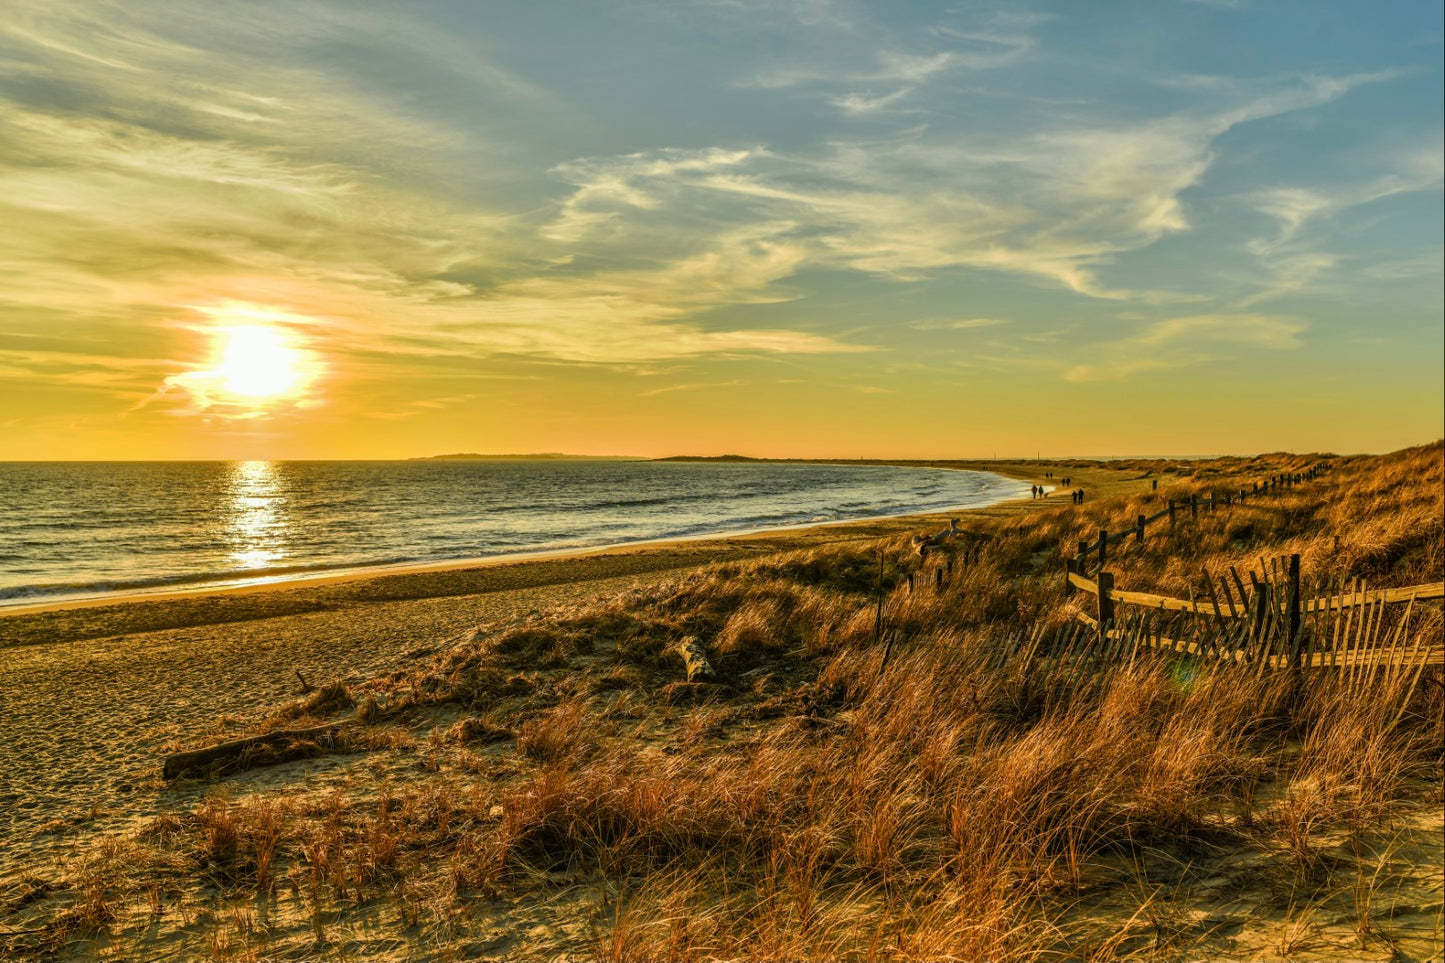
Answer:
(1106, 599)
(1294, 613)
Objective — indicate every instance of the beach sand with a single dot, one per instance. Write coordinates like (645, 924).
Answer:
(96, 692)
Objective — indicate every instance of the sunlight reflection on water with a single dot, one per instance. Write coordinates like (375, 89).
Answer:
(256, 520)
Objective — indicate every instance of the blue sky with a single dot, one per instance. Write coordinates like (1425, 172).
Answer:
(806, 228)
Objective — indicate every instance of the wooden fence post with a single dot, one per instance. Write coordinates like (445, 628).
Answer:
(878, 617)
(1171, 514)
(1294, 609)
(1106, 600)
(1260, 606)
(1139, 529)
(1103, 546)
(938, 580)
(1211, 501)
(1068, 570)
(1193, 506)
(1154, 487)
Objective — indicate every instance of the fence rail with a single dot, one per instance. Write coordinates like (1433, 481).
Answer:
(1420, 593)
(1272, 620)
(1085, 558)
(1274, 625)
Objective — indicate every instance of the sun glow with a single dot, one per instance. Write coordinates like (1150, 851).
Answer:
(257, 362)
(260, 360)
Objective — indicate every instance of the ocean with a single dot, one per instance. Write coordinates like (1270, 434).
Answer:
(79, 529)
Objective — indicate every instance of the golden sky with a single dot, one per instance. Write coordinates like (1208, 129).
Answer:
(376, 230)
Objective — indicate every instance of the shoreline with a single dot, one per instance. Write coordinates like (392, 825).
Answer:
(467, 585)
(319, 577)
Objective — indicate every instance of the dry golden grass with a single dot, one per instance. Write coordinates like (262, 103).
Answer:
(985, 794)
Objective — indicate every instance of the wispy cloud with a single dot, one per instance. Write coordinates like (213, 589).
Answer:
(956, 324)
(690, 386)
(1295, 254)
(1182, 341)
(1054, 206)
(861, 82)
(1255, 330)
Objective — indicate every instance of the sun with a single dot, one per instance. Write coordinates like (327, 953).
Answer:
(260, 359)
(257, 362)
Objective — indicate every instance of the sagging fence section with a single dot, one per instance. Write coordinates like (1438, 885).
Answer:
(1276, 619)
(1272, 620)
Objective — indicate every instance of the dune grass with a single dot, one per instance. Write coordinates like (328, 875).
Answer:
(979, 796)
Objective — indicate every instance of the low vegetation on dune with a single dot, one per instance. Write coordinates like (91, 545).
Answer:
(893, 757)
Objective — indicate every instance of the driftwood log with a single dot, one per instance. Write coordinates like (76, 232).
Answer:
(694, 658)
(240, 751)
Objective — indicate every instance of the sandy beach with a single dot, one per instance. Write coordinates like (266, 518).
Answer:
(97, 690)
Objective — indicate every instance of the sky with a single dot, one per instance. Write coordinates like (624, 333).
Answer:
(792, 228)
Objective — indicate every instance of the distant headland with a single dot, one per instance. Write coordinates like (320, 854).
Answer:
(535, 456)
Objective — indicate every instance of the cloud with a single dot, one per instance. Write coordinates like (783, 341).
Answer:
(1121, 369)
(605, 188)
(896, 69)
(1056, 205)
(956, 324)
(1293, 255)
(863, 104)
(692, 386)
(1256, 330)
(1182, 341)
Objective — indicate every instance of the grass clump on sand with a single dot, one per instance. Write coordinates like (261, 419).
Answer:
(985, 795)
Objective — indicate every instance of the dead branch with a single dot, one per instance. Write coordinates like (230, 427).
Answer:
(245, 752)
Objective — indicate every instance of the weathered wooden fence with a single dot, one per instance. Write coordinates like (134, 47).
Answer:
(1095, 555)
(1066, 661)
(1361, 633)
(1275, 619)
